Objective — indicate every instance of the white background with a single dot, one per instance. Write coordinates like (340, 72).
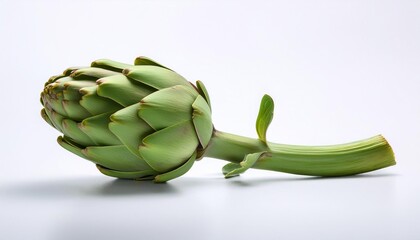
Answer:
(338, 71)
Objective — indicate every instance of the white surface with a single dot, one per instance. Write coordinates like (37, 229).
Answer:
(337, 70)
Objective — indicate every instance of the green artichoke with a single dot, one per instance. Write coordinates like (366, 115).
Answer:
(142, 122)
(146, 122)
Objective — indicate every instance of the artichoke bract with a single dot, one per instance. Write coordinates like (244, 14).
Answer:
(147, 122)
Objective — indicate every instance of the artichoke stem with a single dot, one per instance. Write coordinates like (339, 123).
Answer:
(327, 161)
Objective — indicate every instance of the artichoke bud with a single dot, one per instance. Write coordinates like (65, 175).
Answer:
(141, 121)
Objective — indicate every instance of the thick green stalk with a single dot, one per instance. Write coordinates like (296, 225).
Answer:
(328, 161)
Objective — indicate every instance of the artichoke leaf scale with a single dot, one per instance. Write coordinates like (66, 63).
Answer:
(115, 157)
(181, 170)
(167, 107)
(136, 175)
(74, 111)
(170, 147)
(55, 118)
(96, 104)
(69, 70)
(71, 129)
(129, 128)
(46, 118)
(61, 79)
(156, 77)
(57, 106)
(71, 147)
(122, 90)
(72, 89)
(110, 65)
(147, 61)
(203, 92)
(92, 73)
(53, 79)
(96, 128)
(202, 120)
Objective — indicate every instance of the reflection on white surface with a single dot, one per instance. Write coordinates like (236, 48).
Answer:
(370, 206)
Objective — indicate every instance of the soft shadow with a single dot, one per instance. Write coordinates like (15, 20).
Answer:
(107, 187)
(238, 181)
(84, 187)
(120, 187)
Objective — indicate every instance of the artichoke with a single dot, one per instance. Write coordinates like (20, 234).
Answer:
(147, 122)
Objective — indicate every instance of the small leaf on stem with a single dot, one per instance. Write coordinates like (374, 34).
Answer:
(234, 169)
(265, 116)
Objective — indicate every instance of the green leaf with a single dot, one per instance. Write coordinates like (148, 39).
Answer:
(46, 118)
(71, 129)
(122, 90)
(129, 128)
(55, 118)
(203, 92)
(110, 65)
(54, 78)
(234, 169)
(265, 116)
(136, 175)
(156, 77)
(71, 89)
(96, 104)
(69, 70)
(168, 106)
(74, 110)
(202, 120)
(230, 167)
(56, 106)
(118, 158)
(70, 147)
(170, 147)
(184, 168)
(96, 128)
(147, 61)
(92, 73)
